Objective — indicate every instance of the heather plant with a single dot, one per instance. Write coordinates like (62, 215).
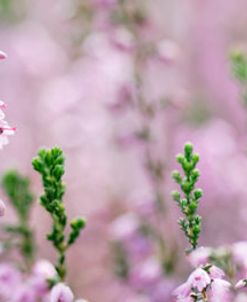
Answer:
(189, 201)
(216, 269)
(50, 165)
(37, 280)
(17, 189)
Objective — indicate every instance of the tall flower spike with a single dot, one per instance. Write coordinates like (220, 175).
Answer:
(189, 200)
(50, 165)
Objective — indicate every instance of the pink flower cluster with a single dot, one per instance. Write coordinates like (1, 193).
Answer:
(203, 283)
(26, 288)
(208, 282)
(33, 287)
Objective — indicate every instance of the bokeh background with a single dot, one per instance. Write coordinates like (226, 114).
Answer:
(120, 86)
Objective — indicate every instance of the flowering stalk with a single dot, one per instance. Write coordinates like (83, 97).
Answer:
(50, 165)
(133, 16)
(17, 188)
(188, 203)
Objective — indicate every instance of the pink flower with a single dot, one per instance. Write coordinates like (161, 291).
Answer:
(241, 284)
(220, 291)
(124, 226)
(9, 278)
(45, 269)
(3, 55)
(167, 51)
(200, 256)
(5, 132)
(42, 271)
(24, 294)
(146, 275)
(183, 290)
(239, 252)
(2, 208)
(61, 293)
(199, 279)
(216, 273)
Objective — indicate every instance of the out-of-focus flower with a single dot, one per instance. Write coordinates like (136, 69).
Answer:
(61, 292)
(182, 291)
(239, 252)
(10, 278)
(241, 284)
(216, 273)
(44, 268)
(242, 297)
(23, 293)
(167, 51)
(3, 55)
(146, 275)
(200, 256)
(42, 271)
(123, 40)
(2, 208)
(125, 226)
(220, 291)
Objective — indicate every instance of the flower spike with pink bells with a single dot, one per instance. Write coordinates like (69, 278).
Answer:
(207, 282)
(5, 131)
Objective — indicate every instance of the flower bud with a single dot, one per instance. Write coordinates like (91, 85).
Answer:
(61, 292)
(2, 55)
(188, 149)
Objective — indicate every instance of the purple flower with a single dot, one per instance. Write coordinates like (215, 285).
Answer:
(146, 275)
(199, 279)
(220, 291)
(200, 256)
(61, 293)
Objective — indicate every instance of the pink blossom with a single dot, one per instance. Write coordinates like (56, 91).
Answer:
(24, 294)
(3, 55)
(61, 293)
(2, 208)
(146, 275)
(5, 132)
(200, 256)
(167, 51)
(220, 291)
(9, 278)
(124, 227)
(241, 284)
(239, 252)
(199, 279)
(183, 290)
(216, 273)
(44, 268)
(42, 271)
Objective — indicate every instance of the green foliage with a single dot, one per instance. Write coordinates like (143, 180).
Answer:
(12, 11)
(189, 200)
(17, 188)
(239, 70)
(50, 165)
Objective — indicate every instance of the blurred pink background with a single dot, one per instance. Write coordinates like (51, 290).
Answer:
(67, 81)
